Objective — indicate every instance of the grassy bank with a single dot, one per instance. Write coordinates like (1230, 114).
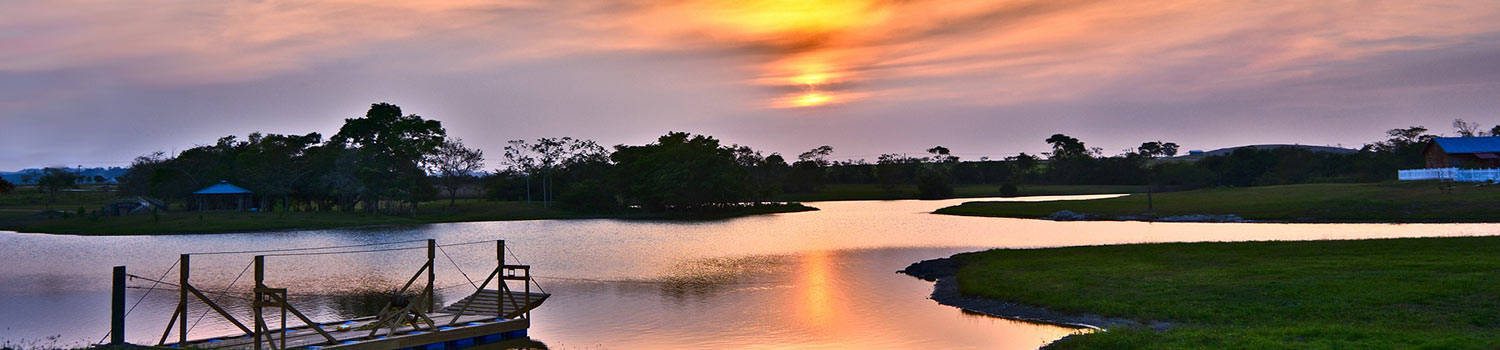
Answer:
(845, 192)
(1370, 202)
(1428, 293)
(431, 212)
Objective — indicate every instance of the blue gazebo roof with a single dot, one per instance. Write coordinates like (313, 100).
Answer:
(223, 187)
(1487, 144)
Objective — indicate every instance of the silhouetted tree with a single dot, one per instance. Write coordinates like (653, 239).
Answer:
(6, 186)
(679, 171)
(1157, 149)
(1065, 147)
(521, 161)
(455, 166)
(390, 147)
(1467, 129)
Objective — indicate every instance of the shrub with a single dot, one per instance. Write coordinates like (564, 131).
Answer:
(1009, 190)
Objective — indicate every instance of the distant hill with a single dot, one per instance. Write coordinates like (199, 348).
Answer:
(19, 177)
(1226, 151)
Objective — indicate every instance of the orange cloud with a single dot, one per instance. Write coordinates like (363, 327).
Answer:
(988, 52)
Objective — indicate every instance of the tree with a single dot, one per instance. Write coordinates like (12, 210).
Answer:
(1467, 129)
(273, 165)
(680, 171)
(817, 155)
(550, 153)
(54, 180)
(766, 173)
(390, 147)
(521, 160)
(1157, 149)
(809, 172)
(6, 186)
(454, 166)
(941, 154)
(1066, 147)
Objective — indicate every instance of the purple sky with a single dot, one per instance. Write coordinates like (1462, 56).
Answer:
(91, 83)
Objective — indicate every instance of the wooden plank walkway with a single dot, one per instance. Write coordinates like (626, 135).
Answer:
(489, 302)
(489, 318)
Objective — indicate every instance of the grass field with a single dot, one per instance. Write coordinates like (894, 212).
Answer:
(1370, 202)
(1425, 293)
(845, 192)
(29, 198)
(175, 222)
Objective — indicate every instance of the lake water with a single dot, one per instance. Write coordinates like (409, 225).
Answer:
(811, 280)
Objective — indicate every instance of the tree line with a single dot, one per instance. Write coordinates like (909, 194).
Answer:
(390, 161)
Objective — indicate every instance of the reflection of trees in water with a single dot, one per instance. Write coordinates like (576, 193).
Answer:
(699, 278)
(367, 302)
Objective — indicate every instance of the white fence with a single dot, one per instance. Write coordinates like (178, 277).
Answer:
(1450, 174)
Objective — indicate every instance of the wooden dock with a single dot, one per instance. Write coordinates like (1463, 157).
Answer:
(478, 325)
(488, 316)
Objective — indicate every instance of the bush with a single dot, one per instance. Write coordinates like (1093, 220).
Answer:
(933, 186)
(1009, 190)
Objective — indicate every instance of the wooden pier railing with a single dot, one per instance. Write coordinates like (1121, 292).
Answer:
(402, 314)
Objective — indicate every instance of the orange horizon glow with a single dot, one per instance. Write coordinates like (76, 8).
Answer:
(811, 52)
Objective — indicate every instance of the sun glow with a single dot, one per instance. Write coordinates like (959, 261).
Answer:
(782, 18)
(812, 99)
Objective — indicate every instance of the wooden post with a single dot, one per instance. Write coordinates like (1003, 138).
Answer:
(500, 270)
(431, 258)
(260, 282)
(117, 308)
(182, 289)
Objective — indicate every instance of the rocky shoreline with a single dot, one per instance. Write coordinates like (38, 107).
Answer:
(943, 272)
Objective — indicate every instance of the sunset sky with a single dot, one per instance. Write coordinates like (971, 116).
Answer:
(99, 82)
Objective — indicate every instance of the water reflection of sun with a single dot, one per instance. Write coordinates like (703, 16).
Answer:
(816, 305)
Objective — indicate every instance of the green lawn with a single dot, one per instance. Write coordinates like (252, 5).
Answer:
(29, 198)
(1368, 202)
(1425, 293)
(844, 192)
(237, 221)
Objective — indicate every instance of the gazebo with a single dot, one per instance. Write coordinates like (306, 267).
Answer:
(224, 196)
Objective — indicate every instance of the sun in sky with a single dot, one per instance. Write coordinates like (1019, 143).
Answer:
(805, 34)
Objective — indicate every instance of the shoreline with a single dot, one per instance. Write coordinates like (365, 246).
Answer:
(1213, 219)
(943, 273)
(743, 212)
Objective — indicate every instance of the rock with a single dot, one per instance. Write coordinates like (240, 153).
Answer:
(1066, 215)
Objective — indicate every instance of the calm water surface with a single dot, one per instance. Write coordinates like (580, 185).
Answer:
(813, 280)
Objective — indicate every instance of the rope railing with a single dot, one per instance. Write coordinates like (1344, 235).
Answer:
(222, 293)
(305, 249)
(142, 298)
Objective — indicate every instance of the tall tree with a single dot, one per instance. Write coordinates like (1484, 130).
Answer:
(1467, 129)
(455, 166)
(1065, 147)
(521, 160)
(550, 153)
(390, 147)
